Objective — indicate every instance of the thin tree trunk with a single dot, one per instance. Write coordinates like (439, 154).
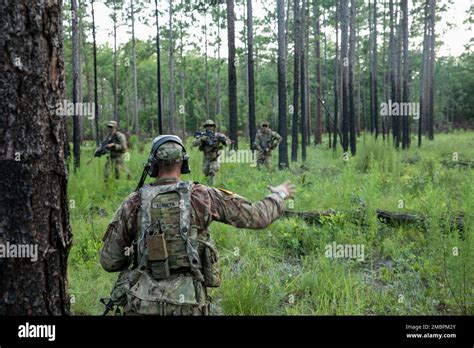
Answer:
(336, 82)
(405, 72)
(251, 77)
(302, 55)
(296, 73)
(76, 84)
(158, 72)
(232, 75)
(351, 82)
(116, 118)
(317, 33)
(171, 96)
(282, 102)
(135, 83)
(345, 74)
(98, 135)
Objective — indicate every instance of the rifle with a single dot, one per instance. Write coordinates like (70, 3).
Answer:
(102, 148)
(213, 139)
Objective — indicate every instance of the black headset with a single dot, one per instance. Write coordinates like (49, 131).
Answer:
(151, 167)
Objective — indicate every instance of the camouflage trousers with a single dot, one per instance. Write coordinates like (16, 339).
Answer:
(210, 169)
(118, 164)
(264, 158)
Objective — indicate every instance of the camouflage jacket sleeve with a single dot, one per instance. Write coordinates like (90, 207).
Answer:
(238, 211)
(227, 139)
(197, 141)
(277, 137)
(119, 235)
(122, 142)
(258, 142)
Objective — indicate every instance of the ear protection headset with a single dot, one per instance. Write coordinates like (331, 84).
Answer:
(151, 168)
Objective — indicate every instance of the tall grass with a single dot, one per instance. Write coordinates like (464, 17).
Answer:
(283, 268)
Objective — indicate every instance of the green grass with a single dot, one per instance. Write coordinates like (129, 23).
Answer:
(283, 268)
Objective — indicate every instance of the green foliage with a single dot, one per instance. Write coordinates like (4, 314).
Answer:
(284, 268)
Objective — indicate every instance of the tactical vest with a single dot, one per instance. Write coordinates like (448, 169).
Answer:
(167, 241)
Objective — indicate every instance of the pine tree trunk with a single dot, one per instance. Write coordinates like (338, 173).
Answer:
(76, 83)
(98, 134)
(351, 82)
(296, 75)
(251, 77)
(317, 33)
(345, 74)
(135, 83)
(232, 74)
(33, 176)
(405, 72)
(336, 82)
(282, 102)
(158, 72)
(302, 60)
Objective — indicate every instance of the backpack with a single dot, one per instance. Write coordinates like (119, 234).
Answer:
(172, 265)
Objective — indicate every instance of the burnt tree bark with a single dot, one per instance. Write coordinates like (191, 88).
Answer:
(33, 176)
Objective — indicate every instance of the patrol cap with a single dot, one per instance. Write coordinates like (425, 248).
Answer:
(112, 124)
(209, 123)
(171, 150)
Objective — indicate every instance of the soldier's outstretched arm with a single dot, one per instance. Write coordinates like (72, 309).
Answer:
(119, 235)
(197, 141)
(232, 209)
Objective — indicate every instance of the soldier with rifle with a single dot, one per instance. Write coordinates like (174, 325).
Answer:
(116, 146)
(266, 141)
(210, 143)
(159, 238)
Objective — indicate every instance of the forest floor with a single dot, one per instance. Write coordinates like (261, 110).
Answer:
(418, 269)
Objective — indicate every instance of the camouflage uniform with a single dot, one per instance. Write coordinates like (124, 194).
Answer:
(185, 293)
(210, 164)
(265, 142)
(115, 159)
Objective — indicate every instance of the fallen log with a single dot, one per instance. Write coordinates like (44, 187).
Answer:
(454, 164)
(384, 216)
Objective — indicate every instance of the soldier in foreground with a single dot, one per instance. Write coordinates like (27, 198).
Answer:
(266, 141)
(159, 237)
(210, 143)
(117, 145)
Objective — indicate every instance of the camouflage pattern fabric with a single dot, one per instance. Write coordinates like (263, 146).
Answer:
(115, 160)
(210, 164)
(266, 140)
(170, 152)
(208, 205)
